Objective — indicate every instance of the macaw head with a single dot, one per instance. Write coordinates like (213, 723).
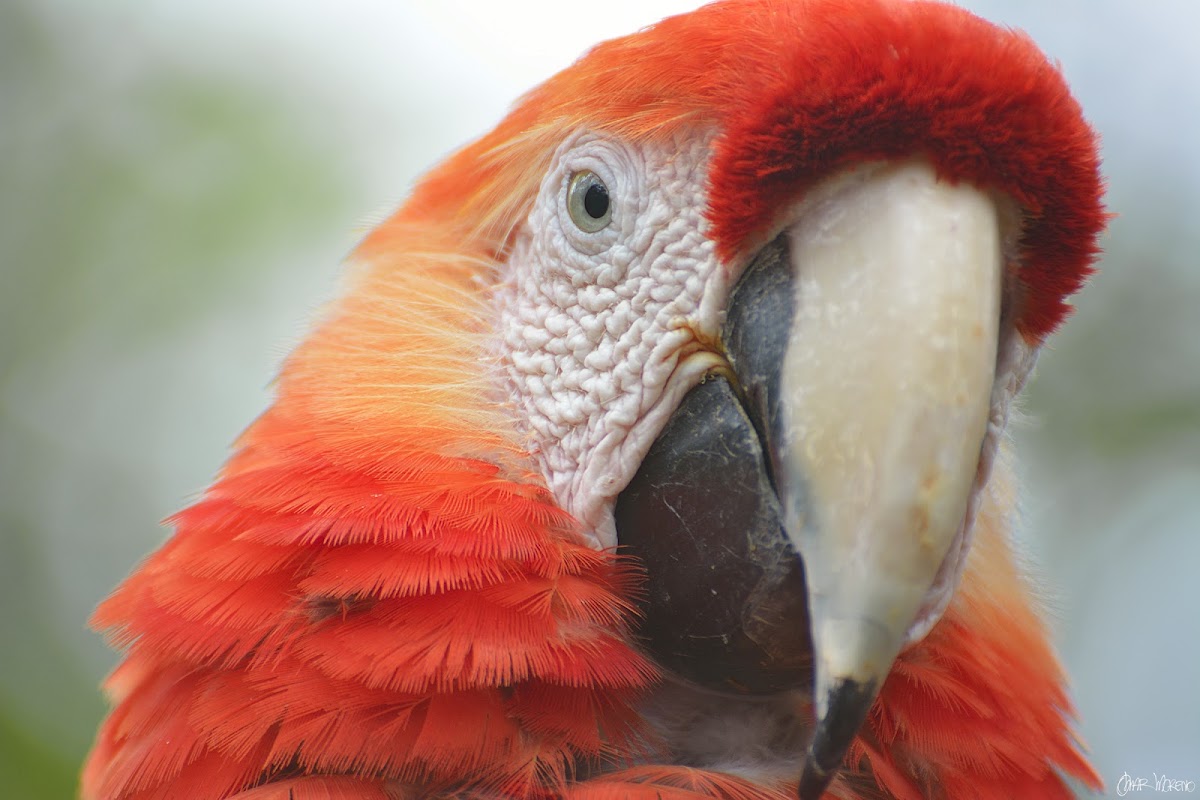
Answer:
(763, 282)
(744, 297)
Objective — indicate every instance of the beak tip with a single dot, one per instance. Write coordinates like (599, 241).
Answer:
(848, 703)
(813, 781)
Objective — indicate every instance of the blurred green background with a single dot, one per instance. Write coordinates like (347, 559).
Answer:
(179, 182)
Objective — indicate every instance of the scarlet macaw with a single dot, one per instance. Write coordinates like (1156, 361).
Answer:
(758, 282)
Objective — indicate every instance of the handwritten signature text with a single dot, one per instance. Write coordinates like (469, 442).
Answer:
(1158, 783)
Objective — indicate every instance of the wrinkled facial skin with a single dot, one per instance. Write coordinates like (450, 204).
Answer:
(601, 332)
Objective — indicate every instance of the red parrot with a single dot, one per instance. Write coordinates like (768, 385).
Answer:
(655, 450)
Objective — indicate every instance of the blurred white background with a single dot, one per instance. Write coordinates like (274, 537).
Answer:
(180, 180)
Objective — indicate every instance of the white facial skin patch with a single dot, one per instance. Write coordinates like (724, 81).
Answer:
(599, 329)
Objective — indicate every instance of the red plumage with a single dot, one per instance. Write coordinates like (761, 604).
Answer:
(379, 598)
(266, 640)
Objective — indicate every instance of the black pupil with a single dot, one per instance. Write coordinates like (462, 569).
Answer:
(595, 200)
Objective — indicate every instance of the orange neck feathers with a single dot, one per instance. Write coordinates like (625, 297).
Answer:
(376, 584)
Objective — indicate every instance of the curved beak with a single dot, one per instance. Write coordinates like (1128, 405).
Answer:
(883, 399)
(847, 430)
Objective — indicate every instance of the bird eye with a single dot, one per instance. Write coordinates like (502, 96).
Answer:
(588, 202)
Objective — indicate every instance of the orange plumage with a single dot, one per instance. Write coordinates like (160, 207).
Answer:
(379, 598)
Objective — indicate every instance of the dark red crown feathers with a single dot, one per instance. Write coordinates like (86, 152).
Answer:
(906, 79)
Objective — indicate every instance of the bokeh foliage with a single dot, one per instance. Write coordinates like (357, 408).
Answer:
(135, 200)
